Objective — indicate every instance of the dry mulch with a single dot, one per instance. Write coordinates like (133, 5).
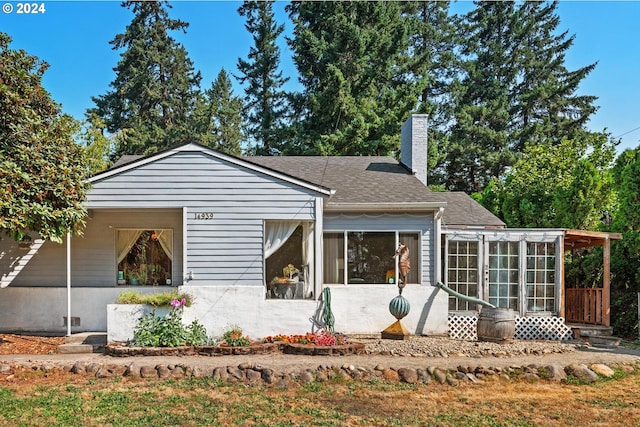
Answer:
(28, 344)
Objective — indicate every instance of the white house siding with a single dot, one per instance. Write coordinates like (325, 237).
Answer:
(225, 204)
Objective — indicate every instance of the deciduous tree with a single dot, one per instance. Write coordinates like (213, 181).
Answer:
(42, 170)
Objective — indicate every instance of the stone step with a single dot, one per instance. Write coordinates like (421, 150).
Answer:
(585, 331)
(84, 342)
(604, 341)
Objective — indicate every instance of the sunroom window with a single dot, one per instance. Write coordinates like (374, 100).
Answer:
(541, 277)
(366, 257)
(462, 273)
(145, 256)
(289, 254)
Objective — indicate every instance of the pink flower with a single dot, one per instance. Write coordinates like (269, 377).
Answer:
(184, 302)
(176, 303)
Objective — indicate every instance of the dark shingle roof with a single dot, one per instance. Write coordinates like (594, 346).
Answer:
(462, 210)
(355, 179)
(374, 180)
(370, 180)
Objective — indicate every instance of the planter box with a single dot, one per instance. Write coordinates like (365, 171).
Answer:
(122, 319)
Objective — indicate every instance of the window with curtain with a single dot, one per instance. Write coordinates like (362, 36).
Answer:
(145, 257)
(289, 254)
(363, 257)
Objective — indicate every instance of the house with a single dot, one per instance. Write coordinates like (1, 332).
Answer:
(255, 240)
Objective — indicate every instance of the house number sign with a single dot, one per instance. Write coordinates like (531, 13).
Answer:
(207, 216)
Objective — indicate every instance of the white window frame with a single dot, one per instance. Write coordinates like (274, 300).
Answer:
(345, 234)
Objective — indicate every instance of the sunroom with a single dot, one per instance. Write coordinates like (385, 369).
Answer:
(519, 269)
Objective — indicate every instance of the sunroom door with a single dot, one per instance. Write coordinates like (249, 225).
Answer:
(501, 274)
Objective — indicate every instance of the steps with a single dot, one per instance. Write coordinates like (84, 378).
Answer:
(85, 342)
(595, 335)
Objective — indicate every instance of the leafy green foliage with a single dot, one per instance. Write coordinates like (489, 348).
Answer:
(156, 299)
(168, 331)
(625, 255)
(42, 170)
(513, 91)
(568, 185)
(234, 337)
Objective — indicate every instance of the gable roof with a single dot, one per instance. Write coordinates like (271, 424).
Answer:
(354, 183)
(128, 162)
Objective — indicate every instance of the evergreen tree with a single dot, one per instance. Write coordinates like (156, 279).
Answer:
(432, 62)
(479, 146)
(546, 106)
(155, 87)
(42, 170)
(219, 117)
(355, 93)
(265, 100)
(514, 91)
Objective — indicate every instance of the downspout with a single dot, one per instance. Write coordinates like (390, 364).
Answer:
(463, 297)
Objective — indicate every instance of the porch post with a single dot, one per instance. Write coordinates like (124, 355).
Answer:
(68, 283)
(606, 283)
(562, 290)
(319, 256)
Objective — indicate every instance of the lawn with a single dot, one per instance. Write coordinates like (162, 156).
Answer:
(36, 398)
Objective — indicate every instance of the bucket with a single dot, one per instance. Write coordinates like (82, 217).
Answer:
(496, 324)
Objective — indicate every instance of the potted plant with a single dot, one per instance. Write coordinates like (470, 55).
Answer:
(291, 273)
(133, 277)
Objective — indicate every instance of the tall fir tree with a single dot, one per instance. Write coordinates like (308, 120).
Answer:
(219, 117)
(355, 95)
(265, 100)
(514, 91)
(155, 88)
(547, 107)
(432, 62)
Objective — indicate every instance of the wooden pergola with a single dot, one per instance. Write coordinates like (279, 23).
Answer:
(589, 305)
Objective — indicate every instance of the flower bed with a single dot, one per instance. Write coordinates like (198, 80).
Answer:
(323, 343)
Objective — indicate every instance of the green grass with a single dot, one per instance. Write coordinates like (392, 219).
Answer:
(37, 400)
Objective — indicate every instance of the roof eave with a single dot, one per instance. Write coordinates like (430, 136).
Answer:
(384, 207)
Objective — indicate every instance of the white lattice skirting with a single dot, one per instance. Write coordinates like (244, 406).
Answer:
(527, 328)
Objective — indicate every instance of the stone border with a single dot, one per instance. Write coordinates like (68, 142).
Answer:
(353, 348)
(253, 374)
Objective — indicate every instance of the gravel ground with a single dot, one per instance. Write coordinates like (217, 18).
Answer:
(445, 347)
(416, 352)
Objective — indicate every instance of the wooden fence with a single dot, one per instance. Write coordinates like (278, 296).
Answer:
(584, 305)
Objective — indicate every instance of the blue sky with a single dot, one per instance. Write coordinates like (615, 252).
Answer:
(73, 37)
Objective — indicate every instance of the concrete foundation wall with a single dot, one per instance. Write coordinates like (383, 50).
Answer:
(357, 309)
(42, 310)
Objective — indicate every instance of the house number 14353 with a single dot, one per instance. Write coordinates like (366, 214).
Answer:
(203, 215)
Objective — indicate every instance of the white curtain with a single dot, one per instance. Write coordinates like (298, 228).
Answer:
(276, 233)
(165, 237)
(126, 240)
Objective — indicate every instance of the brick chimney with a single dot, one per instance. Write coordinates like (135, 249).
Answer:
(413, 145)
